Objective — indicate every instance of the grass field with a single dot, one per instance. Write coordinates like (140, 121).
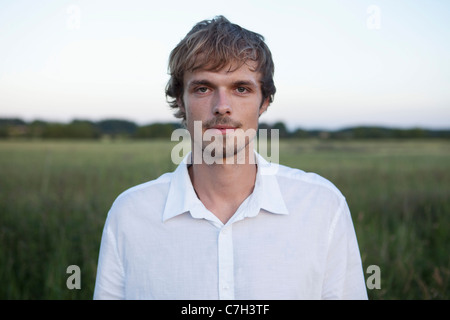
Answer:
(54, 197)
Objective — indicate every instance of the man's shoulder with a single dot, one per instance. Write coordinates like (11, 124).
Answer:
(150, 190)
(296, 177)
(138, 205)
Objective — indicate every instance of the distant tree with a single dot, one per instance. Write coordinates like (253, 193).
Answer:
(362, 132)
(156, 130)
(410, 133)
(117, 127)
(85, 129)
(264, 126)
(53, 131)
(11, 122)
(36, 128)
(300, 133)
(282, 130)
(12, 127)
(77, 129)
(4, 132)
(82, 129)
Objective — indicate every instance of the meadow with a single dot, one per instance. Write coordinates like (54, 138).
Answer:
(55, 195)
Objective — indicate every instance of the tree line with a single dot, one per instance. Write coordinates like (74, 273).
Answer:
(84, 129)
(118, 128)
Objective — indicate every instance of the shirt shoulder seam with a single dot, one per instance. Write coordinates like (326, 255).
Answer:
(311, 178)
(160, 180)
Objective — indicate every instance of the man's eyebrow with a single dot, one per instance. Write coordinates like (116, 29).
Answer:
(204, 82)
(194, 83)
(244, 83)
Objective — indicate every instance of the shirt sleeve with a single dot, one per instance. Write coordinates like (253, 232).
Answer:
(344, 277)
(109, 284)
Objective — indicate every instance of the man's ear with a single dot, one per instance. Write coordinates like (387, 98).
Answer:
(264, 106)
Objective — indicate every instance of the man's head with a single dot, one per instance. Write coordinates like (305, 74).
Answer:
(212, 45)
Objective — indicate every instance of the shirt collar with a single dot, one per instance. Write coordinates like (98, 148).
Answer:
(266, 194)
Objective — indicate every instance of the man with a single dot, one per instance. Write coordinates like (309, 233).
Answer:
(231, 228)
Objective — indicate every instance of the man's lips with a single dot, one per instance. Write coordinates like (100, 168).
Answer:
(222, 129)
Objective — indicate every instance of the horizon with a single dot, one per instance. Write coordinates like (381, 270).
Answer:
(269, 123)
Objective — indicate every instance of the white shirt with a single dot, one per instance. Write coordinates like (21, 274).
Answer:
(292, 238)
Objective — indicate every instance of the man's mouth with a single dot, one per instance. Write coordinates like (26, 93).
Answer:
(222, 129)
(221, 126)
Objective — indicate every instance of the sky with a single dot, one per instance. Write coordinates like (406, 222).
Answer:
(337, 63)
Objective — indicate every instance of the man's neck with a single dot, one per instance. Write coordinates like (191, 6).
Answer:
(223, 187)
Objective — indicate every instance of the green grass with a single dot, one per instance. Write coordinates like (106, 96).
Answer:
(54, 197)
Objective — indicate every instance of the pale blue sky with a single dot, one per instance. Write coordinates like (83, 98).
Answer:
(337, 63)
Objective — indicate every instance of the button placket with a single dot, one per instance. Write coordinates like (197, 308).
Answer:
(226, 263)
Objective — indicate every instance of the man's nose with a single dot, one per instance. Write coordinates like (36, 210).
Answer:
(222, 103)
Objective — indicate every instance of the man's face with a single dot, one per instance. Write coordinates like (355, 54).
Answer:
(228, 104)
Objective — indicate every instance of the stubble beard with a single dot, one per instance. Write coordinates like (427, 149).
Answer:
(230, 148)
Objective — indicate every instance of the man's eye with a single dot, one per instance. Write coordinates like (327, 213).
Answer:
(202, 90)
(241, 89)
